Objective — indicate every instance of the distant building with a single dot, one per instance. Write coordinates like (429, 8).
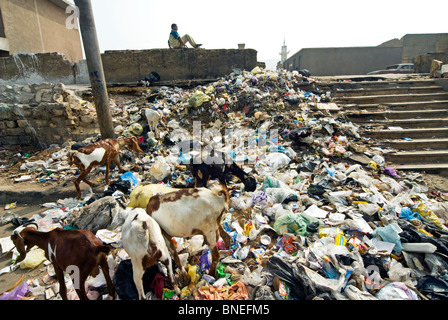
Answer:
(361, 60)
(38, 26)
(284, 53)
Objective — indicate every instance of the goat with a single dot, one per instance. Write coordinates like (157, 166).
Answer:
(143, 241)
(67, 249)
(194, 211)
(207, 169)
(153, 117)
(98, 153)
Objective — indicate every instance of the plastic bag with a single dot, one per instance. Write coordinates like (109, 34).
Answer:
(353, 293)
(397, 272)
(129, 176)
(408, 214)
(160, 169)
(396, 291)
(16, 294)
(433, 288)
(302, 287)
(368, 208)
(33, 258)
(198, 99)
(390, 233)
(339, 197)
(253, 278)
(424, 211)
(140, 196)
(295, 223)
(277, 160)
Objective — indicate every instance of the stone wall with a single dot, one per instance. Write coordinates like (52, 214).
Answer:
(44, 114)
(127, 66)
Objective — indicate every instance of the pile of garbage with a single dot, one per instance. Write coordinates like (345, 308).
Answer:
(320, 225)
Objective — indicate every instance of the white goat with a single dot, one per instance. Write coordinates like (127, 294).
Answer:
(143, 241)
(189, 212)
(153, 117)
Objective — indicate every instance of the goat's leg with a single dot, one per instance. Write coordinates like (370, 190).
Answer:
(169, 266)
(60, 276)
(78, 189)
(81, 291)
(116, 160)
(225, 236)
(105, 269)
(83, 177)
(211, 240)
(201, 178)
(107, 171)
(138, 273)
(185, 278)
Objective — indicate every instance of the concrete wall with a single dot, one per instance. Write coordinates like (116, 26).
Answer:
(418, 44)
(343, 61)
(36, 68)
(127, 66)
(361, 60)
(132, 65)
(37, 26)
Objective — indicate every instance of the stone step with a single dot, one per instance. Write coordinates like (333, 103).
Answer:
(407, 133)
(416, 144)
(400, 106)
(386, 91)
(439, 168)
(416, 157)
(391, 98)
(407, 123)
(347, 85)
(363, 116)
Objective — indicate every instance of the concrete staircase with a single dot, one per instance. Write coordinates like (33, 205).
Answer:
(408, 116)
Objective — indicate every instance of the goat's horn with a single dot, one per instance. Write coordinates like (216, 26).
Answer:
(31, 223)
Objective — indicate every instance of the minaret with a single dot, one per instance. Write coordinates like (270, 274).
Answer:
(284, 53)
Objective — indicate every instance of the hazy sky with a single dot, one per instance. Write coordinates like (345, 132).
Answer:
(264, 25)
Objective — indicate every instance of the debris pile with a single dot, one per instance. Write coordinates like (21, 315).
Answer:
(321, 223)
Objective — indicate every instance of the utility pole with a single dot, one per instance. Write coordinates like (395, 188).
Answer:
(95, 66)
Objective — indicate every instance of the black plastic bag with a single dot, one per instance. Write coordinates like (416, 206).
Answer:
(124, 281)
(433, 288)
(302, 287)
(120, 185)
(305, 73)
(152, 77)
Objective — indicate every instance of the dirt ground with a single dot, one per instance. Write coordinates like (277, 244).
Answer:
(8, 280)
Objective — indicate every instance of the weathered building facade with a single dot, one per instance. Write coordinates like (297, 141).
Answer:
(38, 26)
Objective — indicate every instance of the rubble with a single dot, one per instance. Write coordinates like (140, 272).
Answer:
(321, 224)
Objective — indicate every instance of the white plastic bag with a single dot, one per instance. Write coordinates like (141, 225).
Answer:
(160, 169)
(396, 291)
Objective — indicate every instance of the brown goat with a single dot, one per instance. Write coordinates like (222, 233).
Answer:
(98, 153)
(67, 249)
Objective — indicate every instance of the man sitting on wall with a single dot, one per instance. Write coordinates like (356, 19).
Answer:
(177, 42)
